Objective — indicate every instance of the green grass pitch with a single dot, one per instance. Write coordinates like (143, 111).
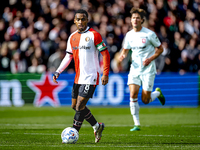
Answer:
(28, 127)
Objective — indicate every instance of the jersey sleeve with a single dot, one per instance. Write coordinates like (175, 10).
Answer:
(106, 62)
(69, 47)
(126, 44)
(98, 42)
(65, 62)
(154, 40)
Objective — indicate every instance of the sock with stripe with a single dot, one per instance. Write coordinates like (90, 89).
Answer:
(78, 120)
(90, 118)
(134, 108)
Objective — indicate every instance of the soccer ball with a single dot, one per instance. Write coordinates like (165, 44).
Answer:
(69, 135)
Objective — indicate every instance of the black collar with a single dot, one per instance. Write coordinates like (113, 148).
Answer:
(88, 28)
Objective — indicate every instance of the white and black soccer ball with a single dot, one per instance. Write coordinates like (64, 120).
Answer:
(69, 135)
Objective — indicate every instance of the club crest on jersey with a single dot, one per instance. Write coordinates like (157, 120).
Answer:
(143, 40)
(87, 39)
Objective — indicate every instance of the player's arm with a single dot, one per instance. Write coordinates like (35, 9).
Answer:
(106, 66)
(158, 52)
(64, 64)
(101, 47)
(158, 49)
(123, 54)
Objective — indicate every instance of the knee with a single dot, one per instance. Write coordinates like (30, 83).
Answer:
(145, 100)
(80, 106)
(133, 95)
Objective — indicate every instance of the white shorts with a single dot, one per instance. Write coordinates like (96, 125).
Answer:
(147, 81)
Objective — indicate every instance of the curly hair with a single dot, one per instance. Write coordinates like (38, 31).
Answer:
(81, 11)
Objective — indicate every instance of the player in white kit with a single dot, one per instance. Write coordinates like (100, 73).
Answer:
(84, 46)
(145, 47)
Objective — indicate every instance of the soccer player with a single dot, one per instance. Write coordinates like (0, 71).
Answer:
(145, 47)
(84, 46)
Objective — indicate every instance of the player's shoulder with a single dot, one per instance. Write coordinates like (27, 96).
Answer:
(95, 33)
(148, 31)
(130, 33)
(73, 34)
(150, 34)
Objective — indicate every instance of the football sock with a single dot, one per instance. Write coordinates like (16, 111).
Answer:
(134, 108)
(89, 117)
(78, 120)
(154, 95)
(96, 126)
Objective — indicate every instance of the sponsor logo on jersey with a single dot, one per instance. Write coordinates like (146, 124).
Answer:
(138, 47)
(81, 47)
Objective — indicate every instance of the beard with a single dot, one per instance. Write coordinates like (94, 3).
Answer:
(81, 29)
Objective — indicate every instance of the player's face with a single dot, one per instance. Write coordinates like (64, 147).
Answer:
(136, 20)
(81, 21)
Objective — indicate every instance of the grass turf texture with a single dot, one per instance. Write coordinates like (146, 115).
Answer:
(29, 128)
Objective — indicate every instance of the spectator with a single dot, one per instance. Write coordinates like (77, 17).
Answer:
(116, 65)
(4, 58)
(181, 30)
(2, 30)
(55, 60)
(188, 55)
(36, 67)
(18, 64)
(50, 22)
(184, 63)
(166, 64)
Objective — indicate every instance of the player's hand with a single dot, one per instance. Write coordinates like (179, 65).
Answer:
(55, 76)
(104, 80)
(146, 62)
(121, 57)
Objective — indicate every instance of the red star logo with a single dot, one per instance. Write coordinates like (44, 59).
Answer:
(46, 90)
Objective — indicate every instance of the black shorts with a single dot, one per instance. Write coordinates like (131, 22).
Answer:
(83, 90)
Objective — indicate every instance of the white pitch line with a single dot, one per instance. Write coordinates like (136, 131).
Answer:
(104, 134)
(177, 146)
(87, 125)
(65, 125)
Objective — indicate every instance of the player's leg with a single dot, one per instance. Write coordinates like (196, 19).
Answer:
(88, 115)
(84, 93)
(134, 86)
(134, 106)
(80, 113)
(161, 97)
(147, 94)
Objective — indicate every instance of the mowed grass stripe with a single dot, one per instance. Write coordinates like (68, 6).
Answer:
(103, 134)
(118, 146)
(32, 128)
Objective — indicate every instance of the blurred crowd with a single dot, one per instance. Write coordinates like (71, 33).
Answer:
(34, 33)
